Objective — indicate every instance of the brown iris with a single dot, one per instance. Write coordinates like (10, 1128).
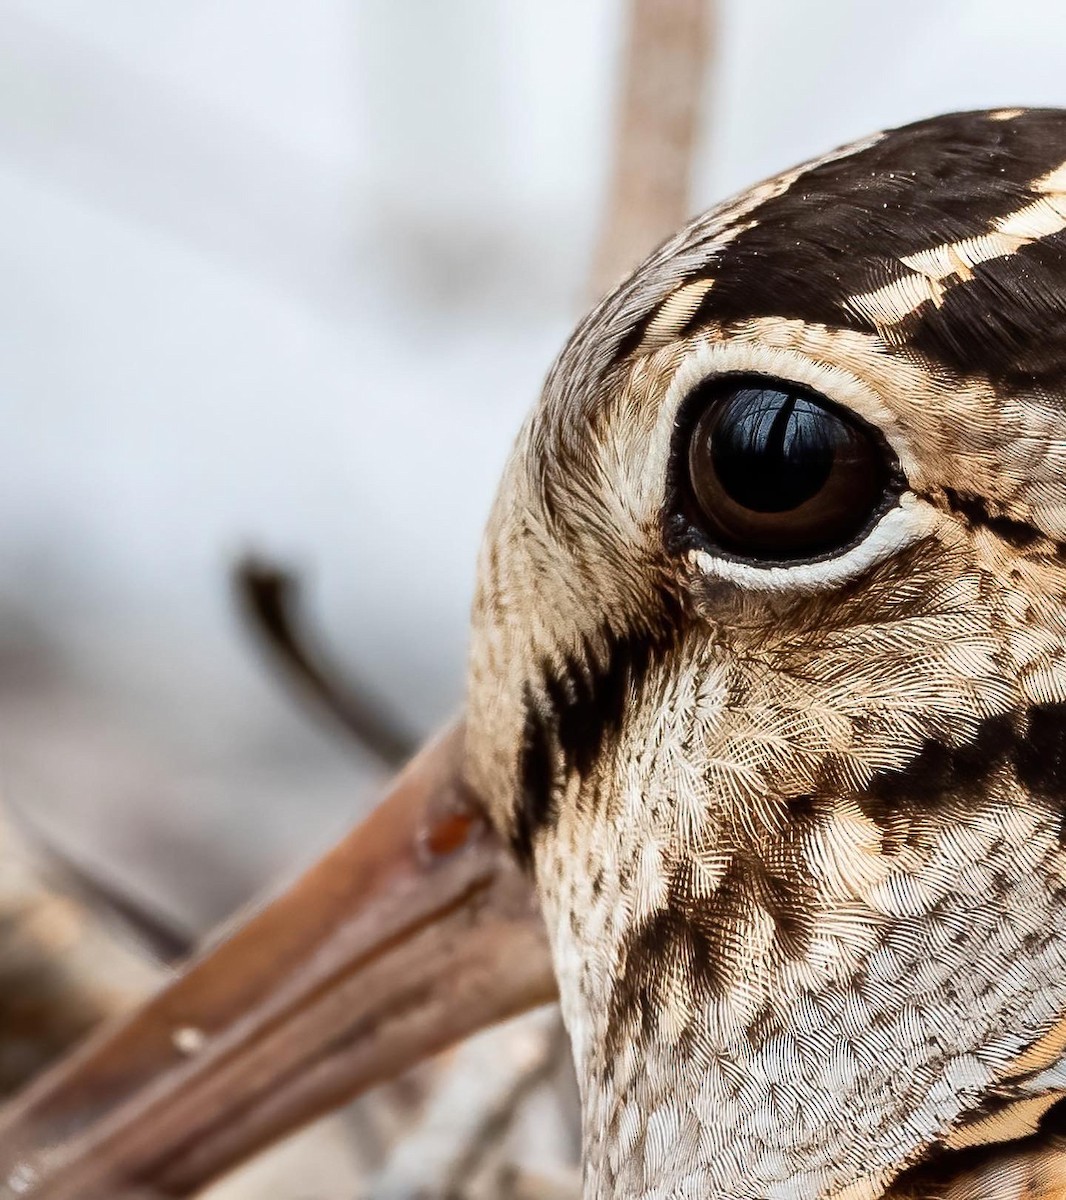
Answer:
(780, 472)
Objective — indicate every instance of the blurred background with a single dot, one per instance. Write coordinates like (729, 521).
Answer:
(285, 277)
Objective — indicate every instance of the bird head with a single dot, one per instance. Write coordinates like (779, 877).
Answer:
(767, 698)
(768, 677)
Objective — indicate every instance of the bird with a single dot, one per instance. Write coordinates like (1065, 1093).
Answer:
(766, 705)
(768, 678)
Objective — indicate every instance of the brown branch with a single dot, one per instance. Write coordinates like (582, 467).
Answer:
(666, 64)
(269, 596)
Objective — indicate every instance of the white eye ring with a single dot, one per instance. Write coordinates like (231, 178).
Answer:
(909, 520)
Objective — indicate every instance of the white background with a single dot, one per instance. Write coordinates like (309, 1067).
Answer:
(287, 275)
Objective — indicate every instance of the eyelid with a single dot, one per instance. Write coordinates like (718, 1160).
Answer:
(841, 387)
(907, 522)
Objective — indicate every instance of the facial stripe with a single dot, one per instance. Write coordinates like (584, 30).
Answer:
(1008, 323)
(1041, 754)
(573, 712)
(975, 512)
(534, 804)
(935, 182)
(933, 271)
(946, 237)
(690, 257)
(702, 938)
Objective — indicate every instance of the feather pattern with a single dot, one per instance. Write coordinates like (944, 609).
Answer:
(798, 829)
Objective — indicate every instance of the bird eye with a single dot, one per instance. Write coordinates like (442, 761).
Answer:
(780, 472)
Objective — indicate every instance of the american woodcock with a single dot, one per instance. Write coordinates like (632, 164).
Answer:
(768, 697)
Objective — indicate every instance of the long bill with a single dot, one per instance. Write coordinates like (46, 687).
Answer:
(416, 930)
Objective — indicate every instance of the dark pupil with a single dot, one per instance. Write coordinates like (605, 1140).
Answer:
(779, 472)
(772, 450)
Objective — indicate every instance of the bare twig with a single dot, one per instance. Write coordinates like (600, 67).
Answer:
(495, 1123)
(158, 934)
(269, 596)
(60, 972)
(657, 124)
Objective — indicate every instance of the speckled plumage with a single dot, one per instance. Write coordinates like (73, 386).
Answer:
(798, 829)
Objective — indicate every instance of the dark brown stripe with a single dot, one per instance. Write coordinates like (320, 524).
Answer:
(843, 227)
(576, 710)
(536, 778)
(974, 511)
(827, 237)
(1040, 756)
(1031, 746)
(700, 934)
(630, 341)
(1008, 321)
(941, 773)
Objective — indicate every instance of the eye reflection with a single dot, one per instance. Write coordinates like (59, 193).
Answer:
(779, 471)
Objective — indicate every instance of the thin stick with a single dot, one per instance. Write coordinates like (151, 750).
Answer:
(61, 973)
(667, 60)
(269, 596)
(162, 937)
(495, 1124)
